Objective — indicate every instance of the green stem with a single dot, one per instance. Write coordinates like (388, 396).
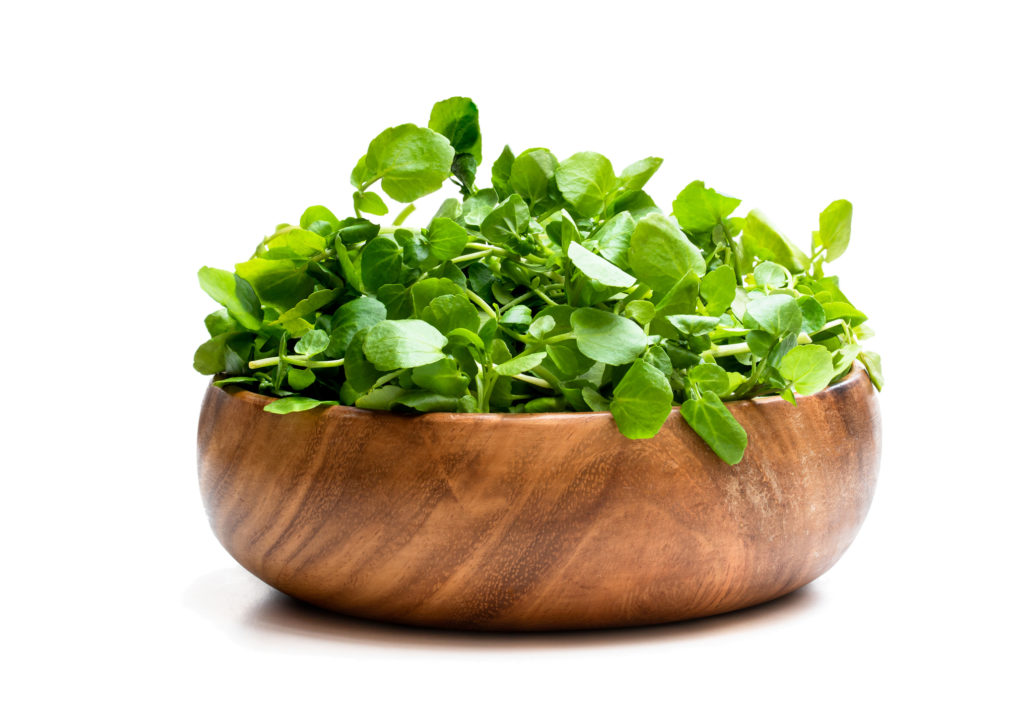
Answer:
(472, 256)
(560, 338)
(531, 380)
(543, 296)
(718, 351)
(404, 214)
(515, 301)
(518, 336)
(482, 303)
(486, 246)
(295, 360)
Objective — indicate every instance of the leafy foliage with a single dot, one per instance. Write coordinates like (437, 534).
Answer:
(561, 287)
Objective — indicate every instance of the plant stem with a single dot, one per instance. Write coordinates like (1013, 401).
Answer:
(560, 338)
(406, 211)
(482, 303)
(531, 380)
(486, 246)
(295, 360)
(472, 256)
(514, 301)
(719, 351)
(543, 296)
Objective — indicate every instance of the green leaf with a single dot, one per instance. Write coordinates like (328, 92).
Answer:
(293, 242)
(612, 239)
(449, 312)
(595, 400)
(235, 380)
(607, 337)
(301, 378)
(352, 317)
(226, 352)
(808, 368)
(710, 377)
(410, 343)
(699, 209)
(834, 228)
(713, 422)
(838, 309)
(478, 206)
(873, 364)
(235, 294)
(517, 315)
(775, 314)
(636, 175)
(764, 241)
(446, 239)
(369, 202)
(760, 343)
(585, 180)
(397, 299)
(693, 324)
(597, 268)
(305, 308)
(318, 214)
(426, 290)
(313, 342)
(635, 202)
(220, 321)
(541, 326)
(295, 404)
(718, 289)
(770, 275)
(531, 174)
(641, 311)
(458, 120)
(813, 313)
(414, 247)
(381, 399)
(506, 223)
(641, 401)
(357, 230)
(426, 401)
(660, 254)
(360, 373)
(520, 364)
(442, 377)
(501, 171)
(279, 283)
(410, 161)
(381, 263)
(681, 297)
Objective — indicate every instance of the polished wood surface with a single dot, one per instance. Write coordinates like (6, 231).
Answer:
(546, 521)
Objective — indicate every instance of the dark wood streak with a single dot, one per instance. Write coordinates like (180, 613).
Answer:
(547, 521)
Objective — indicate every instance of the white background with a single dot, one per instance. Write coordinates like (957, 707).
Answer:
(142, 140)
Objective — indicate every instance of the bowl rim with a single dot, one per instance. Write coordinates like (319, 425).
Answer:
(856, 374)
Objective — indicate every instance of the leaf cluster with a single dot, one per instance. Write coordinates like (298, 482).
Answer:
(560, 287)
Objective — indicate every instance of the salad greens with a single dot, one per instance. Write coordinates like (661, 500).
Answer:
(561, 287)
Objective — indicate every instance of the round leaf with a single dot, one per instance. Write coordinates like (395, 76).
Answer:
(585, 180)
(641, 401)
(660, 254)
(411, 161)
(607, 337)
(808, 368)
(410, 343)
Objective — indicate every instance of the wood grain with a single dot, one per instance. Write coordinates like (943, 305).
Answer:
(546, 521)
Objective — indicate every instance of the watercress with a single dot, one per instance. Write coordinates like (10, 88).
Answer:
(562, 287)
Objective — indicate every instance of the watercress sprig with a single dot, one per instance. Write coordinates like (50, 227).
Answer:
(561, 287)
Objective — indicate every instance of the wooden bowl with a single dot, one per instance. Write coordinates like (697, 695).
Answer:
(542, 521)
